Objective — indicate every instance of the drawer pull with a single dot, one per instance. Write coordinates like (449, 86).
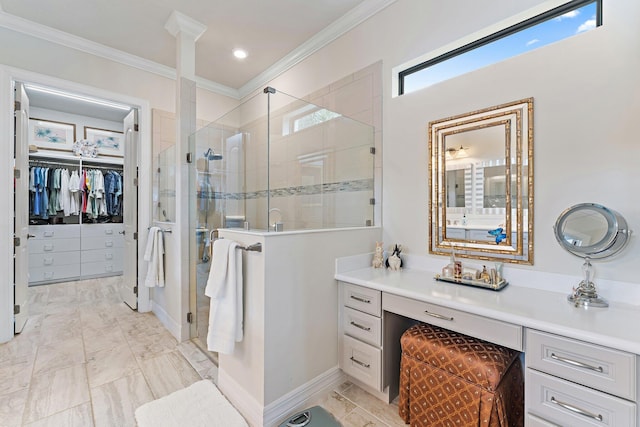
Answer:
(48, 261)
(364, 365)
(108, 244)
(47, 248)
(576, 363)
(357, 325)
(109, 231)
(438, 316)
(48, 234)
(576, 410)
(364, 300)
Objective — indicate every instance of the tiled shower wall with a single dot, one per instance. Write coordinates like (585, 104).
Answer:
(332, 153)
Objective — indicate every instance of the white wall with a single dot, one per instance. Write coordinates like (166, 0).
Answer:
(586, 95)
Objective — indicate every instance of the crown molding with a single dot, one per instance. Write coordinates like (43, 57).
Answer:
(351, 19)
(344, 24)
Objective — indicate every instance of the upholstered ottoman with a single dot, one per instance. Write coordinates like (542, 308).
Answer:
(450, 379)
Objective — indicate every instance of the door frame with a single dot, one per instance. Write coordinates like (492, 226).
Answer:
(7, 76)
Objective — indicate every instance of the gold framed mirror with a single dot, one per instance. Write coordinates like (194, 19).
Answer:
(481, 183)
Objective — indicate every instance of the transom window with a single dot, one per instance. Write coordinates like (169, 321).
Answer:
(572, 18)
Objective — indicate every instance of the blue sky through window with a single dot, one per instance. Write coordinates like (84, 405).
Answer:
(576, 21)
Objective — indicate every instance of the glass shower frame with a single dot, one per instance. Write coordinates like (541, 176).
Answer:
(282, 164)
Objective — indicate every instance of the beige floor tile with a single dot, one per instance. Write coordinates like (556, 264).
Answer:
(167, 373)
(150, 345)
(12, 407)
(98, 339)
(336, 404)
(361, 418)
(60, 354)
(114, 403)
(56, 391)
(110, 364)
(382, 411)
(78, 416)
(16, 373)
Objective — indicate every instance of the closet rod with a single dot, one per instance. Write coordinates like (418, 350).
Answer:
(77, 165)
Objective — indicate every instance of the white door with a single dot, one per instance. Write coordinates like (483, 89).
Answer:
(21, 207)
(129, 285)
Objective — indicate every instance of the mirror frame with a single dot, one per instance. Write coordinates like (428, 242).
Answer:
(612, 242)
(517, 119)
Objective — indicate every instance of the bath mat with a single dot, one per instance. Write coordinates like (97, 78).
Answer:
(199, 405)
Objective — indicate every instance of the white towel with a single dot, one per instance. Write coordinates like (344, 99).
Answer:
(224, 287)
(154, 254)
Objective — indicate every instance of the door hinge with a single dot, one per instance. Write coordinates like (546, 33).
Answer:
(135, 290)
(135, 235)
(16, 105)
(136, 127)
(16, 309)
(135, 182)
(16, 173)
(16, 241)
(189, 317)
(372, 201)
(189, 157)
(372, 150)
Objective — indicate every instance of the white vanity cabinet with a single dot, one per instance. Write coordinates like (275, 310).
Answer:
(360, 334)
(571, 382)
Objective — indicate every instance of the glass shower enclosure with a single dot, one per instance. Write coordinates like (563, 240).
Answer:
(273, 164)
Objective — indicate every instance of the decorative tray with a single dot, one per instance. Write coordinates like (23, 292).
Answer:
(476, 283)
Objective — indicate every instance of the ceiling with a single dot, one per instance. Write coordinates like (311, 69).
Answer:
(275, 33)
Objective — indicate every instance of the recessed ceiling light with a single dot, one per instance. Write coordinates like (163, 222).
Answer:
(239, 53)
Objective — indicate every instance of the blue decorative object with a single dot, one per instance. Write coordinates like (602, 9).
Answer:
(498, 234)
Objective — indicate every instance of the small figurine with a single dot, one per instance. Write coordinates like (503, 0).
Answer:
(394, 262)
(378, 260)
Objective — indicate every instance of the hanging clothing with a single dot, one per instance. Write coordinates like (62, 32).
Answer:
(74, 193)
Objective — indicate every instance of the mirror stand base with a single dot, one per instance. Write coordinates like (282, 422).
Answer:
(586, 296)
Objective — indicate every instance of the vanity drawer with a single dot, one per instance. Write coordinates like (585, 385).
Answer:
(362, 361)
(568, 404)
(495, 331)
(605, 369)
(533, 421)
(58, 231)
(53, 245)
(362, 326)
(360, 298)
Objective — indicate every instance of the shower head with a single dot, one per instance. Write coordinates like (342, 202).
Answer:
(211, 155)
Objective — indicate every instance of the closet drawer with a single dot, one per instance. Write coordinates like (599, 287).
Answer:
(101, 230)
(53, 273)
(495, 331)
(599, 367)
(362, 326)
(54, 258)
(62, 231)
(102, 255)
(100, 268)
(53, 245)
(116, 241)
(362, 361)
(568, 404)
(362, 299)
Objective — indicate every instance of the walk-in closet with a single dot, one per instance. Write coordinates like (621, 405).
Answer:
(78, 206)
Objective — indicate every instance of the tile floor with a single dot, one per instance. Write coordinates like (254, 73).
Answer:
(85, 359)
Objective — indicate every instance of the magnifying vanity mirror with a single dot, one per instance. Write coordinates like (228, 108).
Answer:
(481, 184)
(590, 231)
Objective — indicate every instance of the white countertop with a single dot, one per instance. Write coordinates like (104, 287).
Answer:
(617, 326)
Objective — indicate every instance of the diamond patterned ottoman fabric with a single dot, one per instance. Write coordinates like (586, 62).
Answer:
(450, 379)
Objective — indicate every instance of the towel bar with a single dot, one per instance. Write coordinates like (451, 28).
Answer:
(213, 235)
(164, 230)
(256, 247)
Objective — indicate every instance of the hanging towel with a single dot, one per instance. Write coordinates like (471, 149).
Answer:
(224, 287)
(154, 254)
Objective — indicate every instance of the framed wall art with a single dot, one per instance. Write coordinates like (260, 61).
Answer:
(108, 142)
(51, 135)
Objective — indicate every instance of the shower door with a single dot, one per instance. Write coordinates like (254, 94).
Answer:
(215, 176)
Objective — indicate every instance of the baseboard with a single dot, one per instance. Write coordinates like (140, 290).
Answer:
(277, 411)
(250, 408)
(174, 328)
(298, 399)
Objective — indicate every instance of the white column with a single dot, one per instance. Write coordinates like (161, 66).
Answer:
(186, 31)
